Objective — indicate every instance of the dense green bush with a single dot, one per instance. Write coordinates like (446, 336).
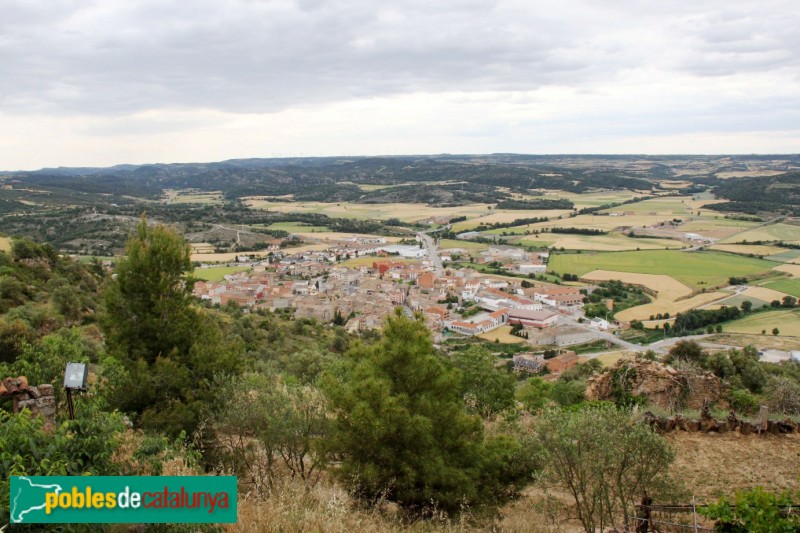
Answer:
(402, 431)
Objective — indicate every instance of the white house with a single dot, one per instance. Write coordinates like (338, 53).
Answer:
(599, 323)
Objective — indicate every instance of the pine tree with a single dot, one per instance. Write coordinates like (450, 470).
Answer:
(170, 349)
(402, 431)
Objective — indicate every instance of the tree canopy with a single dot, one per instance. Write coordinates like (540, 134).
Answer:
(171, 349)
(402, 431)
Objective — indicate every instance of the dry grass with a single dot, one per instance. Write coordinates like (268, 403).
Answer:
(708, 465)
(762, 342)
(327, 507)
(716, 465)
(5, 244)
(610, 358)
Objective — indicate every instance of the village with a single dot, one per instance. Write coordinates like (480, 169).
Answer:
(359, 281)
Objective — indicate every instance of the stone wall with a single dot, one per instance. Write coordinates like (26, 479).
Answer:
(39, 400)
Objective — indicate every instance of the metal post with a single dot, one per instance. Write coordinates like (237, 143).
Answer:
(69, 404)
(694, 514)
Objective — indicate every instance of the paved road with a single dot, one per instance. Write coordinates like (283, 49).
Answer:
(602, 335)
(433, 252)
(660, 347)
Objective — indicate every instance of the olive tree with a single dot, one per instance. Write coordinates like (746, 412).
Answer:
(268, 426)
(604, 459)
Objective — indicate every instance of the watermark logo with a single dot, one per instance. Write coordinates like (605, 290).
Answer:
(123, 499)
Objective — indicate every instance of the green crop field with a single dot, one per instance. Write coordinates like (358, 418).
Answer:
(671, 206)
(773, 232)
(90, 258)
(297, 227)
(786, 320)
(736, 301)
(447, 244)
(696, 269)
(788, 256)
(789, 286)
(191, 196)
(217, 273)
(612, 242)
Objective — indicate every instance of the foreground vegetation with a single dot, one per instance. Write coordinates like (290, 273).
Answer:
(302, 411)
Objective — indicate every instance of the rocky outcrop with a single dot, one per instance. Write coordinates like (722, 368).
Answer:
(661, 384)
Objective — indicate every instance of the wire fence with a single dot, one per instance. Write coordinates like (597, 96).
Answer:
(669, 517)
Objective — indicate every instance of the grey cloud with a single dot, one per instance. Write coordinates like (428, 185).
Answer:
(259, 56)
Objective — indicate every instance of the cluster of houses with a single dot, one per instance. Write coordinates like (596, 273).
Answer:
(314, 285)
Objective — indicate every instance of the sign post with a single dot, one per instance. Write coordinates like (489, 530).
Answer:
(74, 379)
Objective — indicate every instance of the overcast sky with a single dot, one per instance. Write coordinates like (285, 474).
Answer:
(95, 83)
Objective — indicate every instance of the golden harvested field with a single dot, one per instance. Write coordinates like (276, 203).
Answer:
(613, 242)
(666, 287)
(504, 216)
(793, 270)
(773, 232)
(662, 305)
(746, 249)
(401, 211)
(5, 244)
(503, 334)
(763, 293)
(669, 292)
